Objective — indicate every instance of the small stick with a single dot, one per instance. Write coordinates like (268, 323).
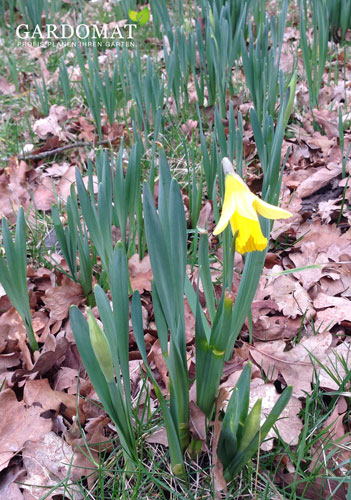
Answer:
(45, 154)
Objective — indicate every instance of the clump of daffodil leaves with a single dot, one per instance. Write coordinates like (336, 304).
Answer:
(241, 209)
(104, 349)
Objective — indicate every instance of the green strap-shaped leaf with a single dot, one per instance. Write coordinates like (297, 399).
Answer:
(119, 280)
(159, 257)
(242, 458)
(176, 455)
(235, 418)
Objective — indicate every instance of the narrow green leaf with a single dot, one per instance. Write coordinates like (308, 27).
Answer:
(205, 274)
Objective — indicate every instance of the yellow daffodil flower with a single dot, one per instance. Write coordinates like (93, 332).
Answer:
(241, 208)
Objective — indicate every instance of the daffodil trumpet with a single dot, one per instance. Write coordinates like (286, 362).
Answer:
(241, 209)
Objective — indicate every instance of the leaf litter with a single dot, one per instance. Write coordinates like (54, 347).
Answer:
(297, 317)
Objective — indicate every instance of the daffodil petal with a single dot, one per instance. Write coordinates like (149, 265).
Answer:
(245, 204)
(227, 211)
(235, 183)
(270, 211)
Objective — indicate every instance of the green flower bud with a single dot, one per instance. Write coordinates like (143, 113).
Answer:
(211, 18)
(100, 347)
(292, 88)
(251, 426)
(187, 26)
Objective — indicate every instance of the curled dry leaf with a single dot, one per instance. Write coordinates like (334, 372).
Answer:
(267, 328)
(96, 433)
(64, 186)
(8, 488)
(97, 440)
(261, 307)
(9, 360)
(329, 210)
(67, 378)
(317, 180)
(19, 423)
(12, 330)
(53, 351)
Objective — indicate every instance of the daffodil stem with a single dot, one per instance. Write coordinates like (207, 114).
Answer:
(227, 259)
(254, 262)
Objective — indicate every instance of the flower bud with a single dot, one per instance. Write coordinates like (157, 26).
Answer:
(100, 347)
(292, 90)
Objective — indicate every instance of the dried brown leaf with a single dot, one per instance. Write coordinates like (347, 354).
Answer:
(8, 489)
(18, 424)
(328, 121)
(319, 179)
(197, 423)
(327, 237)
(13, 189)
(44, 195)
(64, 186)
(13, 336)
(47, 463)
(291, 298)
(156, 356)
(39, 392)
(52, 353)
(140, 273)
(6, 88)
(289, 425)
(296, 366)
(51, 124)
(59, 299)
(310, 255)
(220, 483)
(158, 437)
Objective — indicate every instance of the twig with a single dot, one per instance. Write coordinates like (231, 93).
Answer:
(45, 154)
